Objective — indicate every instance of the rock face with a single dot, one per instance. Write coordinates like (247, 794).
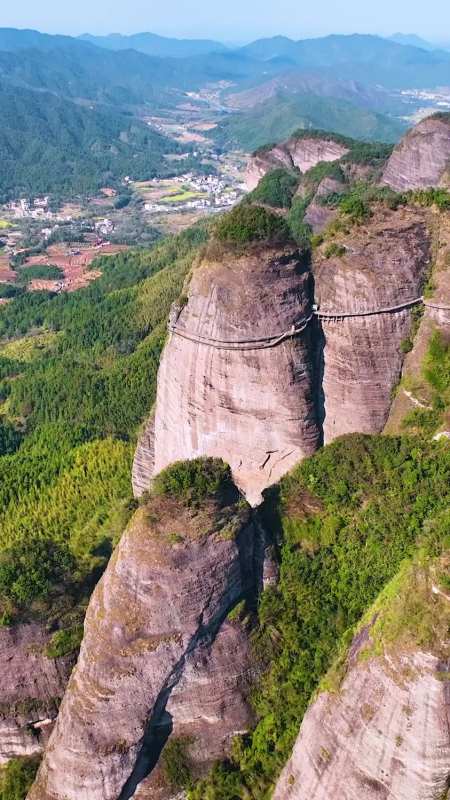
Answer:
(31, 688)
(384, 736)
(318, 214)
(384, 265)
(422, 158)
(298, 152)
(414, 391)
(384, 733)
(254, 408)
(150, 651)
(207, 707)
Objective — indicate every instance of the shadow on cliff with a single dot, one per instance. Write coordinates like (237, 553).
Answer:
(318, 343)
(319, 368)
(250, 544)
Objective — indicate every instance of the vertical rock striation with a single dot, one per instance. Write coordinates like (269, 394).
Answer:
(31, 687)
(384, 733)
(150, 631)
(298, 152)
(254, 408)
(422, 158)
(383, 266)
(384, 736)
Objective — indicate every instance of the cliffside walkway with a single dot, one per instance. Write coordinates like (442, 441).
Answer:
(243, 344)
(331, 315)
(271, 341)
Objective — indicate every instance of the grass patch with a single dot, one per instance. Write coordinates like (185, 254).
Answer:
(183, 197)
(26, 348)
(17, 777)
(65, 642)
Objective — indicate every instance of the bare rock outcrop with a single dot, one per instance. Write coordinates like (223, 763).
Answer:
(422, 158)
(254, 408)
(150, 644)
(384, 736)
(31, 688)
(414, 391)
(318, 215)
(385, 733)
(301, 152)
(384, 265)
(207, 708)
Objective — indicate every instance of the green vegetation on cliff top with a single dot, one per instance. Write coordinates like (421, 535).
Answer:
(194, 481)
(276, 188)
(248, 224)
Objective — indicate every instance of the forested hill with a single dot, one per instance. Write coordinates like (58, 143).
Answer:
(278, 117)
(51, 145)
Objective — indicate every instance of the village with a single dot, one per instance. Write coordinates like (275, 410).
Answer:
(50, 245)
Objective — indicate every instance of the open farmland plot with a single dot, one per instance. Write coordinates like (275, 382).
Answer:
(74, 261)
(6, 273)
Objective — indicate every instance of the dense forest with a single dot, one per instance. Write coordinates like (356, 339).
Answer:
(78, 374)
(51, 145)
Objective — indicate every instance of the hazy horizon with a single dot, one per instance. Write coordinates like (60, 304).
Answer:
(244, 22)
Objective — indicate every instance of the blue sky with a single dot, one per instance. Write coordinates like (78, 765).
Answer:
(235, 20)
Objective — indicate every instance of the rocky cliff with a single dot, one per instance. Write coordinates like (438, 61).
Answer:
(226, 388)
(380, 265)
(31, 688)
(383, 734)
(318, 214)
(422, 158)
(301, 152)
(414, 391)
(154, 647)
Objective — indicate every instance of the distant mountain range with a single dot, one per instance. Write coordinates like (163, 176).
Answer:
(370, 59)
(413, 41)
(116, 72)
(153, 45)
(68, 91)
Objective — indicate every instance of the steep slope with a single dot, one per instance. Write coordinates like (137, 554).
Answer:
(32, 687)
(422, 158)
(346, 520)
(384, 733)
(48, 144)
(188, 556)
(422, 401)
(232, 379)
(304, 150)
(383, 265)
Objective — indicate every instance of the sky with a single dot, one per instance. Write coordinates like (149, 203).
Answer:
(234, 20)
